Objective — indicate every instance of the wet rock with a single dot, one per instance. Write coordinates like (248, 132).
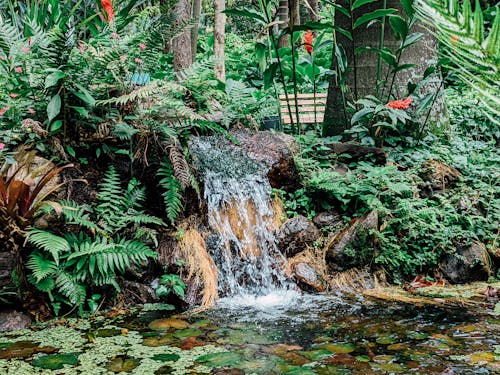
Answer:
(358, 229)
(437, 177)
(137, 293)
(327, 219)
(7, 263)
(296, 234)
(469, 263)
(11, 320)
(276, 151)
(307, 277)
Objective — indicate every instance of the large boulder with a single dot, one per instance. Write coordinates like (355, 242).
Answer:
(469, 263)
(274, 150)
(296, 234)
(327, 219)
(307, 277)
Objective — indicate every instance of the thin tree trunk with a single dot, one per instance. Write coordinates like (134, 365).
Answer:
(295, 5)
(196, 27)
(283, 17)
(181, 46)
(314, 10)
(219, 34)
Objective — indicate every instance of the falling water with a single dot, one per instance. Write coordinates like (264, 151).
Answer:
(240, 215)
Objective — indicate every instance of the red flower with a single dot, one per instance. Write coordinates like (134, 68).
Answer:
(13, 96)
(3, 110)
(18, 69)
(400, 104)
(142, 46)
(308, 41)
(108, 7)
(138, 60)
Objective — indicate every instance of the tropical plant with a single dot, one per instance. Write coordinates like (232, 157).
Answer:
(23, 191)
(112, 236)
(171, 283)
(472, 51)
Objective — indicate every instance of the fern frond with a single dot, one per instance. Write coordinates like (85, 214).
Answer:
(70, 288)
(172, 195)
(154, 88)
(77, 214)
(40, 266)
(180, 166)
(49, 242)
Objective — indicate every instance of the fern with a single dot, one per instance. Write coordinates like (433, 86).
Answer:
(40, 266)
(71, 288)
(172, 196)
(49, 242)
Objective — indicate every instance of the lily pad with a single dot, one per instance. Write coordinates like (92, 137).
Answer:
(167, 357)
(165, 324)
(219, 359)
(55, 361)
(185, 333)
(301, 371)
(481, 358)
(386, 340)
(122, 364)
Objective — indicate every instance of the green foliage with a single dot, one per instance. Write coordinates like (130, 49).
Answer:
(112, 237)
(172, 195)
(171, 283)
(473, 57)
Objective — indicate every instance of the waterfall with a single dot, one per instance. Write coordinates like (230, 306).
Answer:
(241, 219)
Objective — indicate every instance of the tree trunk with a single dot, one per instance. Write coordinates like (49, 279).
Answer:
(283, 17)
(295, 11)
(361, 77)
(196, 27)
(219, 33)
(181, 45)
(313, 10)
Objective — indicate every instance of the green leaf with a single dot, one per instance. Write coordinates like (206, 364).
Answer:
(359, 3)
(84, 95)
(411, 39)
(399, 26)
(54, 107)
(81, 111)
(70, 150)
(408, 7)
(360, 114)
(55, 126)
(53, 78)
(367, 17)
(247, 13)
(478, 23)
(219, 359)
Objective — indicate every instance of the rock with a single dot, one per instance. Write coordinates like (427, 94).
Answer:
(469, 263)
(11, 320)
(307, 277)
(137, 293)
(296, 234)
(327, 219)
(276, 151)
(7, 264)
(337, 258)
(437, 176)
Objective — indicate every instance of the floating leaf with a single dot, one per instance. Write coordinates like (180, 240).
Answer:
(55, 361)
(165, 324)
(122, 364)
(166, 357)
(185, 333)
(338, 348)
(219, 359)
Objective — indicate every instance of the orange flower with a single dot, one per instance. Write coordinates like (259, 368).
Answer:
(108, 7)
(308, 41)
(400, 104)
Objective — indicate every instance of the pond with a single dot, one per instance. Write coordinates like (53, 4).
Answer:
(282, 333)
